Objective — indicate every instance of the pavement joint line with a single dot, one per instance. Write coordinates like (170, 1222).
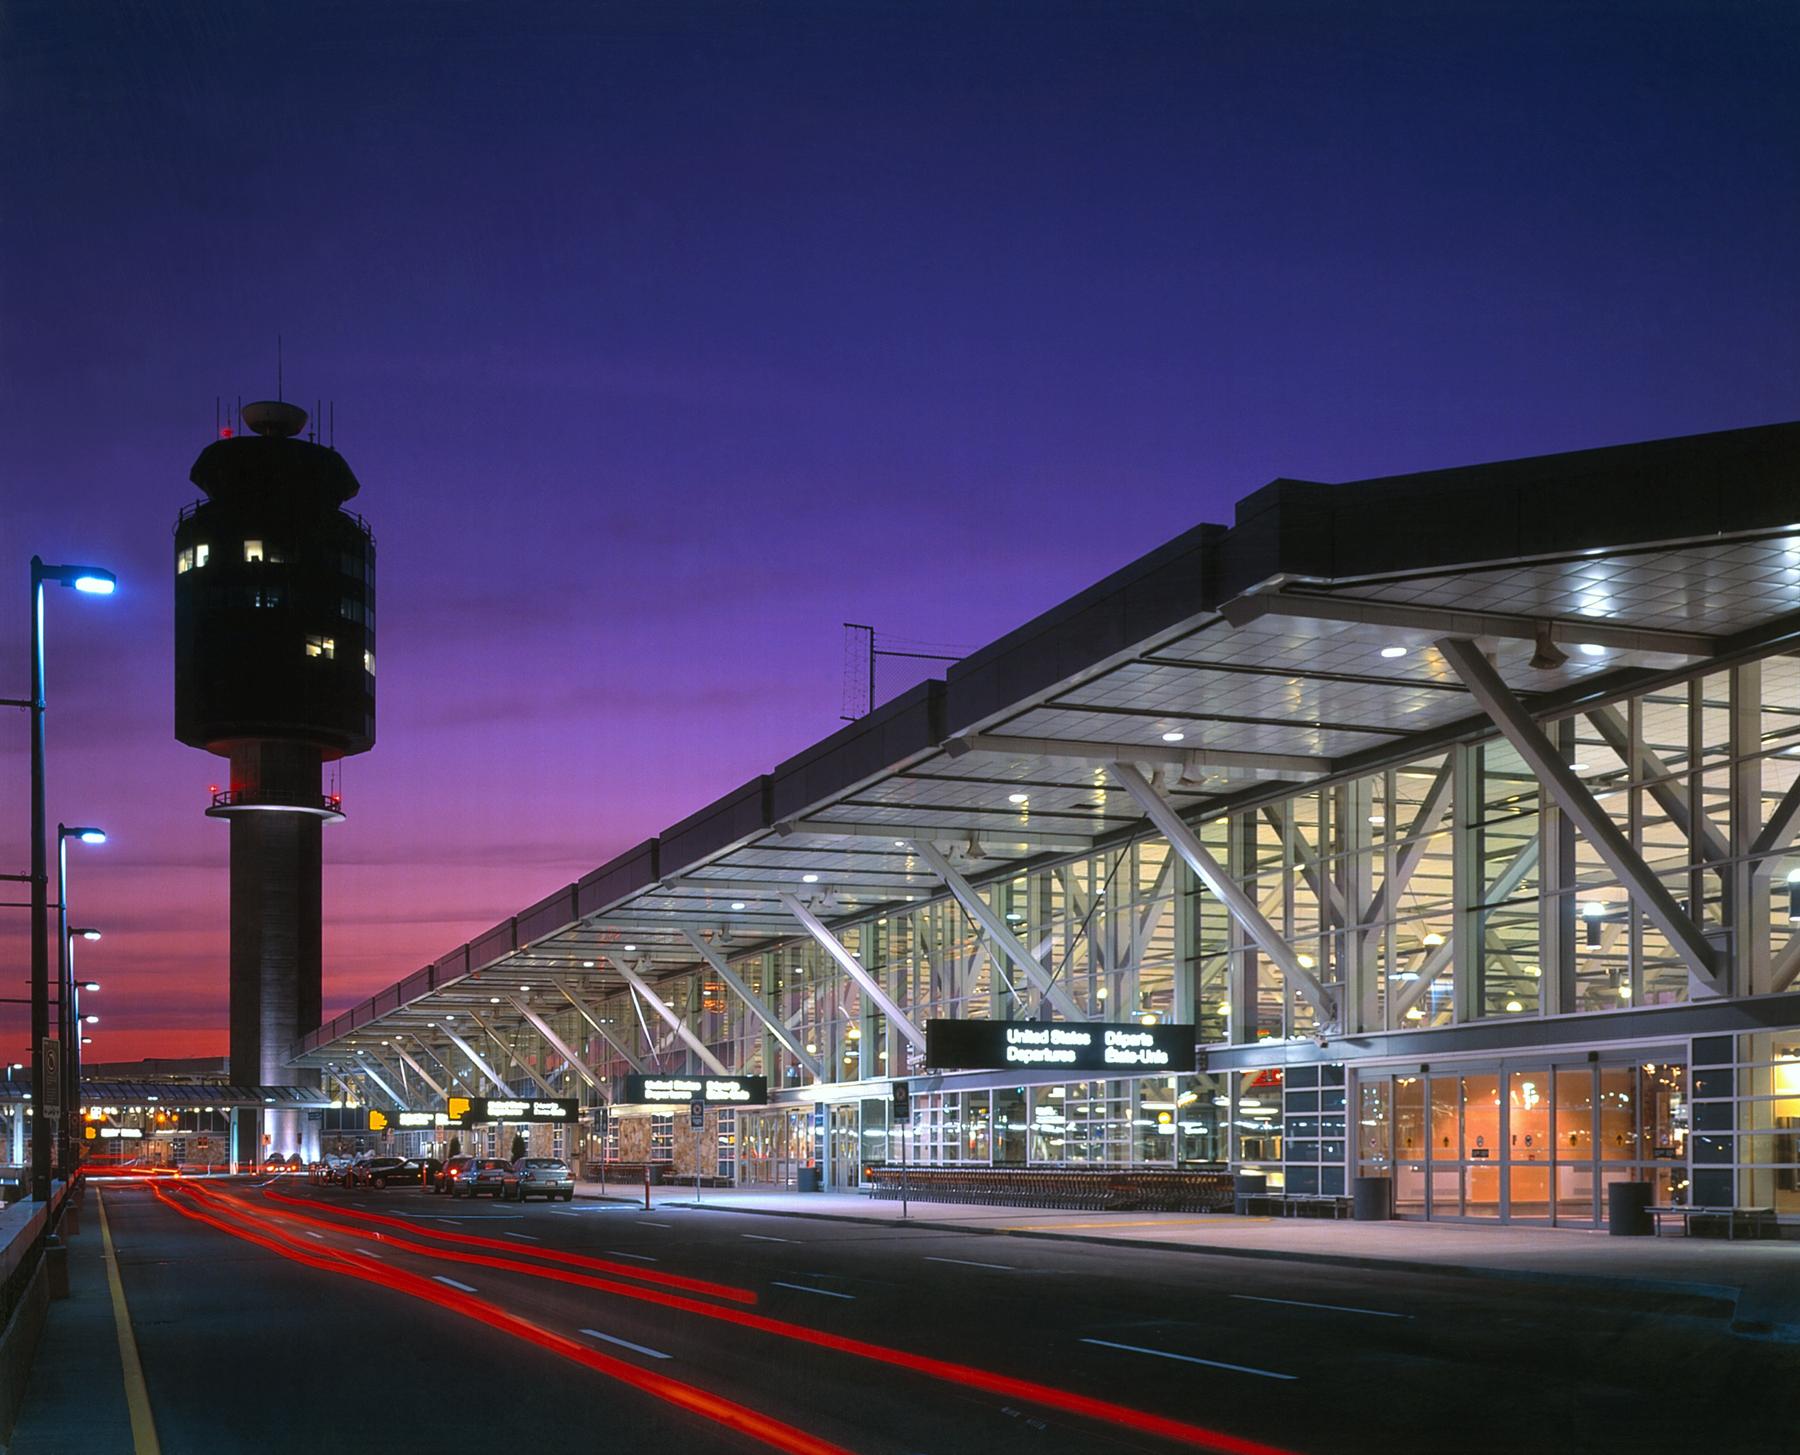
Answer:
(803, 1288)
(1341, 1308)
(1722, 1295)
(453, 1283)
(137, 1394)
(627, 1344)
(1191, 1359)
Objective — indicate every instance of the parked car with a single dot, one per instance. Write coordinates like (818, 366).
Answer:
(486, 1175)
(546, 1177)
(451, 1173)
(380, 1171)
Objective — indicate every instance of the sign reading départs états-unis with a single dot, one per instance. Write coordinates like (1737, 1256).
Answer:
(679, 1090)
(1123, 1049)
(506, 1109)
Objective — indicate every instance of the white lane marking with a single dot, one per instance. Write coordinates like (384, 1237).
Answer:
(371, 1252)
(555, 1214)
(765, 1238)
(967, 1263)
(453, 1283)
(626, 1344)
(621, 1253)
(1341, 1308)
(443, 1219)
(311, 1234)
(802, 1288)
(509, 1233)
(646, 1223)
(1190, 1359)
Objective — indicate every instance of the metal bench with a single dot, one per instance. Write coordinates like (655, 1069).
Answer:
(1757, 1220)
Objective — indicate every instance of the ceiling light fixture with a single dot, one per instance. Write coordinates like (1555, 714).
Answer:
(1591, 649)
(809, 878)
(1391, 652)
(1173, 736)
(1018, 798)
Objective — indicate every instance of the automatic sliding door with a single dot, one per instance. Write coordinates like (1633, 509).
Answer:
(1575, 1145)
(1528, 1146)
(1482, 1144)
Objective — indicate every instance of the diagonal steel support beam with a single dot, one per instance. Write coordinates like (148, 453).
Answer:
(1529, 741)
(512, 1055)
(667, 1012)
(983, 914)
(1242, 908)
(475, 1060)
(1418, 833)
(853, 967)
(758, 1006)
(1786, 966)
(582, 1009)
(1196, 759)
(424, 1075)
(1318, 879)
(369, 1071)
(1778, 832)
(557, 1044)
(1662, 785)
(1509, 879)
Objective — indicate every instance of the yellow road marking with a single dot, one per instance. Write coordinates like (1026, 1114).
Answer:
(137, 1398)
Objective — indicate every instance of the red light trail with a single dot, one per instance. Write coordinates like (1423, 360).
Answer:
(988, 1381)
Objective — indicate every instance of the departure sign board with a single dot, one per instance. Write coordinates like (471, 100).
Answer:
(713, 1090)
(504, 1109)
(1117, 1049)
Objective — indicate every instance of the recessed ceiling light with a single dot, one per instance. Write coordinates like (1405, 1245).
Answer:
(1392, 652)
(1434, 939)
(1514, 1006)
(587, 964)
(631, 947)
(1018, 798)
(524, 987)
(493, 1000)
(737, 904)
(809, 878)
(1591, 649)
(1173, 736)
(1578, 767)
(1378, 819)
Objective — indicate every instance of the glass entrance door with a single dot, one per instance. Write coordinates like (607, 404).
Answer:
(1528, 1146)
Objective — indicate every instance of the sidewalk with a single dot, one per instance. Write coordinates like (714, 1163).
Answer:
(75, 1398)
(1754, 1283)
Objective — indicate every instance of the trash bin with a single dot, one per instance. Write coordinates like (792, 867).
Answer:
(1628, 1209)
(1372, 1199)
(806, 1179)
(1250, 1182)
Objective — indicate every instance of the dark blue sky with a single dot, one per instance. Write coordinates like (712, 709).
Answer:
(666, 337)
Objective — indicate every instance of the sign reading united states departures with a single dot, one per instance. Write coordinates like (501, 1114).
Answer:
(679, 1090)
(1123, 1049)
(505, 1109)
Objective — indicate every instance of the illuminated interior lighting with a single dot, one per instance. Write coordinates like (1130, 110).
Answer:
(1174, 736)
(1392, 652)
(1018, 798)
(737, 904)
(809, 878)
(1591, 649)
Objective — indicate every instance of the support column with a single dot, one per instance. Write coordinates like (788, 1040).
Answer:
(1554, 776)
(675, 1022)
(558, 1045)
(852, 967)
(758, 1006)
(1175, 829)
(423, 1074)
(513, 1056)
(598, 1025)
(477, 1062)
(995, 928)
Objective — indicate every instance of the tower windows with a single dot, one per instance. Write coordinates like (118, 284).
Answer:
(369, 663)
(321, 647)
(253, 551)
(191, 558)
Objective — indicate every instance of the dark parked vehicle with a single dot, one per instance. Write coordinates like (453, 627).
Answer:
(547, 1177)
(451, 1173)
(486, 1175)
(380, 1171)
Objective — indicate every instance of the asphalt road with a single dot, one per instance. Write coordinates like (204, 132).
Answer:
(303, 1324)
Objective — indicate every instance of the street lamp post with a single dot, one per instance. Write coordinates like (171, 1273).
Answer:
(68, 1029)
(95, 582)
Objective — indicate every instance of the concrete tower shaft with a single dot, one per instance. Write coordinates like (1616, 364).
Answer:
(274, 671)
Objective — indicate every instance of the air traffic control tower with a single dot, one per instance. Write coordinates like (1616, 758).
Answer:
(275, 671)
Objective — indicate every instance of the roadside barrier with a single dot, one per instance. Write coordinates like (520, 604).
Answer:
(1085, 1189)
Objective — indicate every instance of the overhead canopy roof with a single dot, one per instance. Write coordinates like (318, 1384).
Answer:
(182, 1095)
(1269, 647)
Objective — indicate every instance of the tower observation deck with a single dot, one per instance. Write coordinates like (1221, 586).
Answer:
(274, 671)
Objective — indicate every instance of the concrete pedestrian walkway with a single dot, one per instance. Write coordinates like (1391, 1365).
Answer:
(75, 1398)
(1755, 1283)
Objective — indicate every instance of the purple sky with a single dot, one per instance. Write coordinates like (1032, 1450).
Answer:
(664, 338)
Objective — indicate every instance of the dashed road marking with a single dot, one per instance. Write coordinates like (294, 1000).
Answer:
(802, 1288)
(971, 1263)
(621, 1253)
(766, 1238)
(1340, 1308)
(626, 1344)
(453, 1283)
(1190, 1359)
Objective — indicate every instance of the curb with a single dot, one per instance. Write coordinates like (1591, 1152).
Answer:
(1719, 1300)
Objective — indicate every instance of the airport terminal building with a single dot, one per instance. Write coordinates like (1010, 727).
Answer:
(1455, 813)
